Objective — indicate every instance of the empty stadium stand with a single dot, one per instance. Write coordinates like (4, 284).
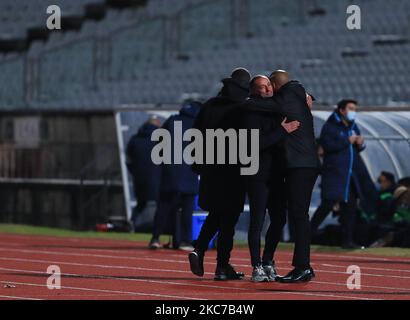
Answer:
(157, 52)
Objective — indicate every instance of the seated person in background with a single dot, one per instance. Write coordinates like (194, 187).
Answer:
(400, 220)
(401, 205)
(385, 202)
(405, 182)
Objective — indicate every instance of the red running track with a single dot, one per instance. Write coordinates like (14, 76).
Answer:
(109, 269)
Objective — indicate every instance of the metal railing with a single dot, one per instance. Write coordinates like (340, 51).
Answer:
(110, 177)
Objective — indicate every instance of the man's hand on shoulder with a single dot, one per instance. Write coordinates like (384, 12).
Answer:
(291, 126)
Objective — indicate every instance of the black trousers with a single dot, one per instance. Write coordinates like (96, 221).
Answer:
(263, 196)
(299, 186)
(258, 193)
(177, 207)
(277, 214)
(224, 222)
(208, 230)
(347, 219)
(141, 196)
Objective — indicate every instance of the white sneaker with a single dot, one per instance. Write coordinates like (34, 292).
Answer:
(154, 244)
(186, 247)
(270, 272)
(259, 275)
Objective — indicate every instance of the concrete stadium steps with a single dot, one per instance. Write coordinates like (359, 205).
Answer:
(116, 60)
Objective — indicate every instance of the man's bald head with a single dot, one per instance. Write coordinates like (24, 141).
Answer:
(279, 78)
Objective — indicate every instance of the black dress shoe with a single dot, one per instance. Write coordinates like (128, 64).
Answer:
(227, 273)
(196, 262)
(297, 275)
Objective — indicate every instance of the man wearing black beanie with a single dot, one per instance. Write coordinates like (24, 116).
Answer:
(221, 191)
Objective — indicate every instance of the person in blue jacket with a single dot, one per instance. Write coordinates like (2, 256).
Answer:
(178, 188)
(145, 174)
(342, 142)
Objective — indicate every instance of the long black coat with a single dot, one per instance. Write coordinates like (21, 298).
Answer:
(221, 187)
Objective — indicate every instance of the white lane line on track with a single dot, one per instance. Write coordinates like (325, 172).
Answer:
(159, 270)
(94, 290)
(138, 244)
(245, 290)
(366, 256)
(18, 298)
(243, 259)
(171, 270)
(179, 271)
(73, 239)
(315, 255)
(172, 261)
(314, 263)
(364, 268)
(94, 265)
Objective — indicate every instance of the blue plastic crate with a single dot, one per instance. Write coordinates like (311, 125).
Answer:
(198, 220)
